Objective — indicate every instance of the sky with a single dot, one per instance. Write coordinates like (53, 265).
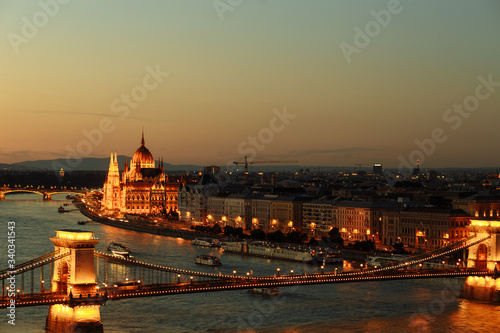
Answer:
(324, 82)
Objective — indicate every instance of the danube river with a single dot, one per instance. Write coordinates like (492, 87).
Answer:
(390, 306)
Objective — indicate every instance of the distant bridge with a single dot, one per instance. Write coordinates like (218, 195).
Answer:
(45, 193)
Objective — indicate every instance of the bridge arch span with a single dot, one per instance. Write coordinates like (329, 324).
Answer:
(21, 191)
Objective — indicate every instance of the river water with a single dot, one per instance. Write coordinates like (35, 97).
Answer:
(390, 306)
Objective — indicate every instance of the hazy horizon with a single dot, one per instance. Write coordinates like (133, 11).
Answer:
(327, 83)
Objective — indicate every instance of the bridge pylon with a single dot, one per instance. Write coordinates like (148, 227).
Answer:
(484, 255)
(74, 276)
(47, 196)
(2, 195)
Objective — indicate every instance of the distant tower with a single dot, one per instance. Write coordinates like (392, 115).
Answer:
(112, 185)
(416, 171)
(61, 172)
(377, 169)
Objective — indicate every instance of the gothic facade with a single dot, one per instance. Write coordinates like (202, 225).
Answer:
(142, 188)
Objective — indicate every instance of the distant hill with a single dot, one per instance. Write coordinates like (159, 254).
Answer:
(85, 164)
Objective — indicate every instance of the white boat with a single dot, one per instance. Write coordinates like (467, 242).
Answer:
(293, 253)
(328, 257)
(119, 250)
(265, 291)
(268, 250)
(379, 261)
(206, 242)
(207, 260)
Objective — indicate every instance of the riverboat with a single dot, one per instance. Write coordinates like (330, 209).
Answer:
(269, 250)
(119, 250)
(127, 285)
(380, 261)
(206, 242)
(328, 257)
(207, 260)
(265, 291)
(62, 210)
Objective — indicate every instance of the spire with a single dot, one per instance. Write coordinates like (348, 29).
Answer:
(142, 141)
(116, 158)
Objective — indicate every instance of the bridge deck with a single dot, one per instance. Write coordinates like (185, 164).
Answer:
(237, 283)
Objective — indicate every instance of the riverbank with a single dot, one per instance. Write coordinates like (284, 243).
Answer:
(347, 254)
(139, 226)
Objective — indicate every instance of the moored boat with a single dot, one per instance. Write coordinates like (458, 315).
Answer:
(328, 256)
(119, 250)
(268, 250)
(208, 242)
(62, 210)
(265, 291)
(380, 261)
(207, 260)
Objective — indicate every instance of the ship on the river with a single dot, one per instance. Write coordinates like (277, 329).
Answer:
(269, 250)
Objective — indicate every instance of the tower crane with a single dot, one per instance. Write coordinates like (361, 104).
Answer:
(246, 162)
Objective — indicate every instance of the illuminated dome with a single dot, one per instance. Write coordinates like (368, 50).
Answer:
(142, 157)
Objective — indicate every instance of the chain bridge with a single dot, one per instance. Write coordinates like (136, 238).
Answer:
(75, 280)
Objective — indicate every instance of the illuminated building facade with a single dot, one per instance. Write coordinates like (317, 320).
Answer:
(430, 228)
(142, 189)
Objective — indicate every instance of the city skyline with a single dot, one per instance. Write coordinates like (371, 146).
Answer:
(333, 84)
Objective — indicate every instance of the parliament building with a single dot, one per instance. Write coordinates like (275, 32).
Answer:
(142, 188)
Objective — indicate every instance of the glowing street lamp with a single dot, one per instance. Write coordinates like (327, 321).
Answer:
(178, 278)
(322, 267)
(278, 270)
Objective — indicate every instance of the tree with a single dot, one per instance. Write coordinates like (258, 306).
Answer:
(367, 245)
(216, 229)
(336, 237)
(399, 248)
(296, 237)
(312, 242)
(276, 236)
(228, 230)
(258, 234)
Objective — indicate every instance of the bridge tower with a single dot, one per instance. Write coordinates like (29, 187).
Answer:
(74, 276)
(484, 255)
(2, 195)
(47, 196)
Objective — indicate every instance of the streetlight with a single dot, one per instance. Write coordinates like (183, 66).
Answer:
(191, 279)
(178, 278)
(234, 273)
(278, 269)
(291, 272)
(322, 267)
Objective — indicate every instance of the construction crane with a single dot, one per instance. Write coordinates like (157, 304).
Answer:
(246, 163)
